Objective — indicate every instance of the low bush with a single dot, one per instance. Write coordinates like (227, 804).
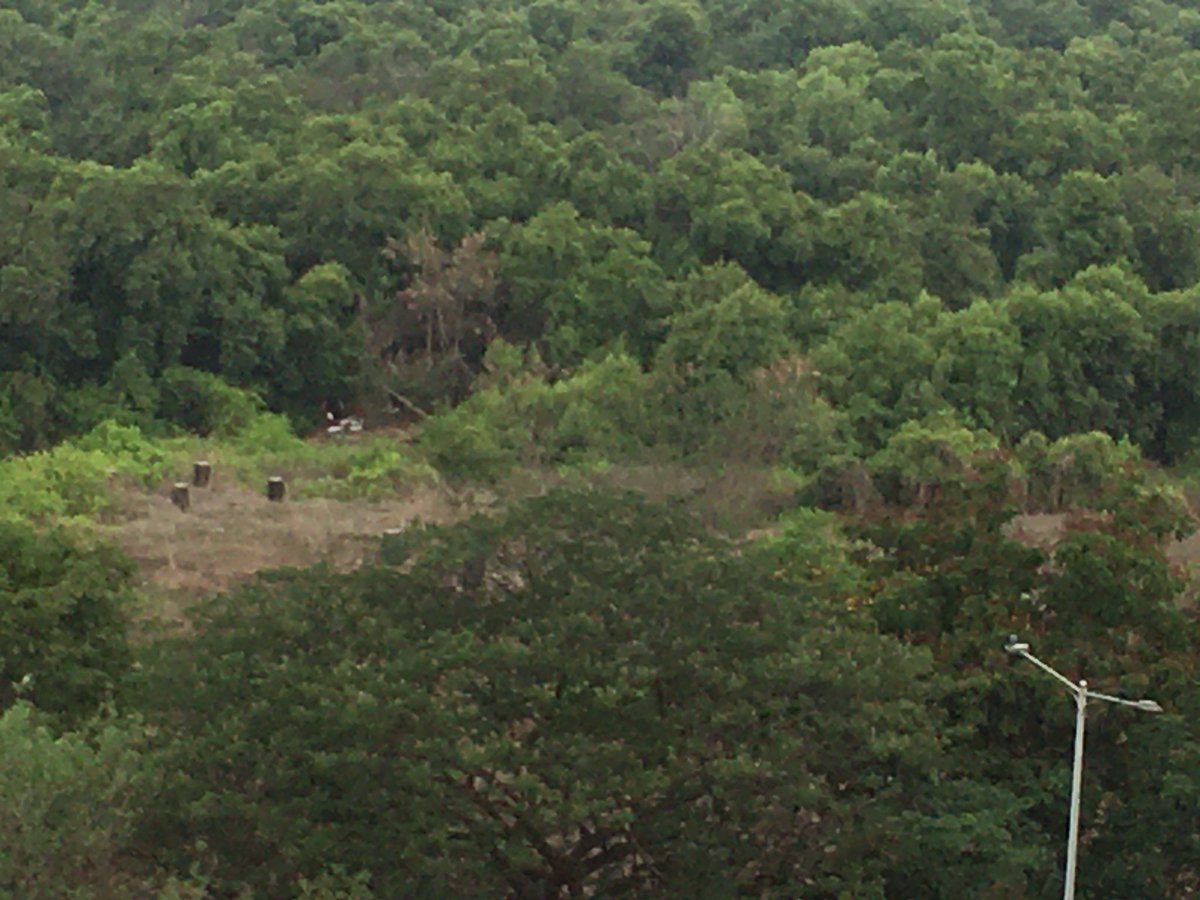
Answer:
(204, 404)
(70, 805)
(75, 479)
(63, 631)
(605, 409)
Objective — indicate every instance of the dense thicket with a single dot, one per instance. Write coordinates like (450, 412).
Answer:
(63, 641)
(326, 199)
(590, 693)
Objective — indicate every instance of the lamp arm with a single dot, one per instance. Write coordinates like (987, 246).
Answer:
(1072, 686)
(1146, 705)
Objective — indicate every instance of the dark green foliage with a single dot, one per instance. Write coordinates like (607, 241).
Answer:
(587, 691)
(70, 805)
(575, 283)
(62, 621)
(203, 404)
(223, 188)
(1103, 606)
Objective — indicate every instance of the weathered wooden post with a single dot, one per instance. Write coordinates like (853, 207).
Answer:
(275, 489)
(180, 496)
(201, 473)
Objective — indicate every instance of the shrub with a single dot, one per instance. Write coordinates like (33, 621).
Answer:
(70, 803)
(1091, 471)
(925, 456)
(63, 640)
(74, 479)
(374, 470)
(604, 409)
(592, 695)
(127, 450)
(204, 404)
(54, 485)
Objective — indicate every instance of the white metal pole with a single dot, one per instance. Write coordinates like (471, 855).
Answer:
(1081, 695)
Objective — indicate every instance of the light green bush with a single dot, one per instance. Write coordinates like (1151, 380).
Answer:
(58, 484)
(605, 409)
(70, 803)
(371, 470)
(75, 479)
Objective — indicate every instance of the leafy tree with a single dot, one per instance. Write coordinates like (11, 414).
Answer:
(970, 197)
(864, 244)
(1168, 381)
(62, 622)
(1049, 143)
(710, 115)
(978, 366)
(710, 207)
(736, 333)
(71, 803)
(1165, 87)
(1031, 24)
(953, 578)
(318, 348)
(1164, 224)
(509, 168)
(1085, 342)
(341, 203)
(574, 284)
(588, 693)
(1093, 472)
(921, 458)
(712, 350)
(668, 46)
(916, 22)
(1082, 225)
(601, 184)
(878, 366)
(761, 35)
(963, 103)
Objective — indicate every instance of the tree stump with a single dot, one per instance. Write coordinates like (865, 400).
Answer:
(201, 473)
(180, 496)
(275, 489)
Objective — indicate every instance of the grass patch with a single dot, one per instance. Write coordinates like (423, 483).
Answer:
(82, 482)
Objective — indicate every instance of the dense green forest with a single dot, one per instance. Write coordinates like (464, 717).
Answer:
(852, 293)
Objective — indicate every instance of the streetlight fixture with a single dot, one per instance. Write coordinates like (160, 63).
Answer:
(1082, 695)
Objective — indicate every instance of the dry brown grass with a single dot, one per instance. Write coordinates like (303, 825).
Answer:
(231, 533)
(1185, 552)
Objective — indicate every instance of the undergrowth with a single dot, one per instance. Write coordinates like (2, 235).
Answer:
(80, 482)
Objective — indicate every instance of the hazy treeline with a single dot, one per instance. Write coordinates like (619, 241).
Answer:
(322, 200)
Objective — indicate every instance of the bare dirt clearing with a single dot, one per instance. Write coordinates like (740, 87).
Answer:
(232, 533)
(1044, 530)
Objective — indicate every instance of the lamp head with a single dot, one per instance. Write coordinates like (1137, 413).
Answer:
(1015, 646)
(1149, 706)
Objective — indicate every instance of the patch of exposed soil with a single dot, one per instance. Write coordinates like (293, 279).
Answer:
(1044, 530)
(230, 533)
(1185, 552)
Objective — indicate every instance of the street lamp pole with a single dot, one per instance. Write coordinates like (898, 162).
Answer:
(1081, 694)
